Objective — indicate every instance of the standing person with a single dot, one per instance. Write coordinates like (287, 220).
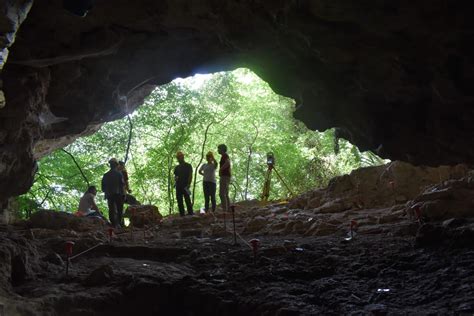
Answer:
(123, 170)
(183, 175)
(129, 198)
(208, 171)
(113, 188)
(224, 177)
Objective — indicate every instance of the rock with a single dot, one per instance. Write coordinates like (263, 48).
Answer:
(190, 233)
(320, 229)
(377, 309)
(61, 220)
(453, 222)
(287, 312)
(429, 235)
(100, 276)
(333, 206)
(142, 215)
(313, 203)
(256, 224)
(389, 218)
(54, 258)
(19, 270)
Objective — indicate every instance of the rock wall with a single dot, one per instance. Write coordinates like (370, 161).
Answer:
(395, 77)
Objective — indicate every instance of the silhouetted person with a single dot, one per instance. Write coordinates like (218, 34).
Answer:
(183, 175)
(208, 171)
(87, 206)
(224, 177)
(113, 188)
(129, 198)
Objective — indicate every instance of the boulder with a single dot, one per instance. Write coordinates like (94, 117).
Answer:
(142, 215)
(55, 220)
(256, 224)
(99, 276)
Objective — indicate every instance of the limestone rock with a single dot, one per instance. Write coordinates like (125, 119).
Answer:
(54, 258)
(142, 215)
(100, 276)
(256, 224)
(61, 220)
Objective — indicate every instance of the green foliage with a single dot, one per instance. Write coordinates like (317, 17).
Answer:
(235, 108)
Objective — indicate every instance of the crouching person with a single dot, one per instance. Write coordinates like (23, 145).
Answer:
(87, 205)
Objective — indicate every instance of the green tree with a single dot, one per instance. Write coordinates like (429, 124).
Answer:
(194, 115)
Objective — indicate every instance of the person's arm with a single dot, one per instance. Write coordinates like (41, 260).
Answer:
(226, 164)
(214, 162)
(94, 206)
(201, 170)
(103, 187)
(190, 176)
(122, 183)
(125, 179)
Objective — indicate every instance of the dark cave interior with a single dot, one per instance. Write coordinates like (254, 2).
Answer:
(392, 77)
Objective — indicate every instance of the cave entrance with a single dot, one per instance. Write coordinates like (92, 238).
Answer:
(194, 115)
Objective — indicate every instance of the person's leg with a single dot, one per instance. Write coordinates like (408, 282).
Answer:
(112, 211)
(189, 206)
(227, 193)
(120, 201)
(224, 193)
(206, 187)
(179, 199)
(212, 194)
(221, 193)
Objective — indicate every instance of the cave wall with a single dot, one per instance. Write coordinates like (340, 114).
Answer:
(392, 76)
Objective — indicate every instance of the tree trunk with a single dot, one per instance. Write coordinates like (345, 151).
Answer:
(249, 158)
(129, 138)
(77, 165)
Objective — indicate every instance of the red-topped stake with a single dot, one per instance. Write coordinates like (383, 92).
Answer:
(419, 214)
(111, 233)
(392, 185)
(68, 247)
(254, 243)
(232, 207)
(144, 230)
(352, 227)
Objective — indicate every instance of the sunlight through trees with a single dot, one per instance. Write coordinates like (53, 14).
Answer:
(194, 115)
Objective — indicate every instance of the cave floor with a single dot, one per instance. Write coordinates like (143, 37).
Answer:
(162, 273)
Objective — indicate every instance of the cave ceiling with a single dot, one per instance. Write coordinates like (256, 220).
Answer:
(392, 76)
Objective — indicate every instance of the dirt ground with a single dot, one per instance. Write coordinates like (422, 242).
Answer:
(397, 263)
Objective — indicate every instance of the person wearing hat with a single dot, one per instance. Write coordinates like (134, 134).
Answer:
(183, 175)
(113, 188)
(208, 171)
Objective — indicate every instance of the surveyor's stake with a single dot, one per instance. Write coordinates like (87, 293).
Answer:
(69, 245)
(254, 242)
(233, 220)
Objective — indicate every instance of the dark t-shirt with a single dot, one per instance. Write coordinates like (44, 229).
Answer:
(112, 183)
(226, 171)
(183, 173)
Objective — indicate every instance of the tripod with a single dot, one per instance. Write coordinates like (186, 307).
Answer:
(266, 185)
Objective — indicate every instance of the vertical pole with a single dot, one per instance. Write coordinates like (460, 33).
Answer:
(111, 232)
(233, 220)
(225, 224)
(69, 245)
(144, 231)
